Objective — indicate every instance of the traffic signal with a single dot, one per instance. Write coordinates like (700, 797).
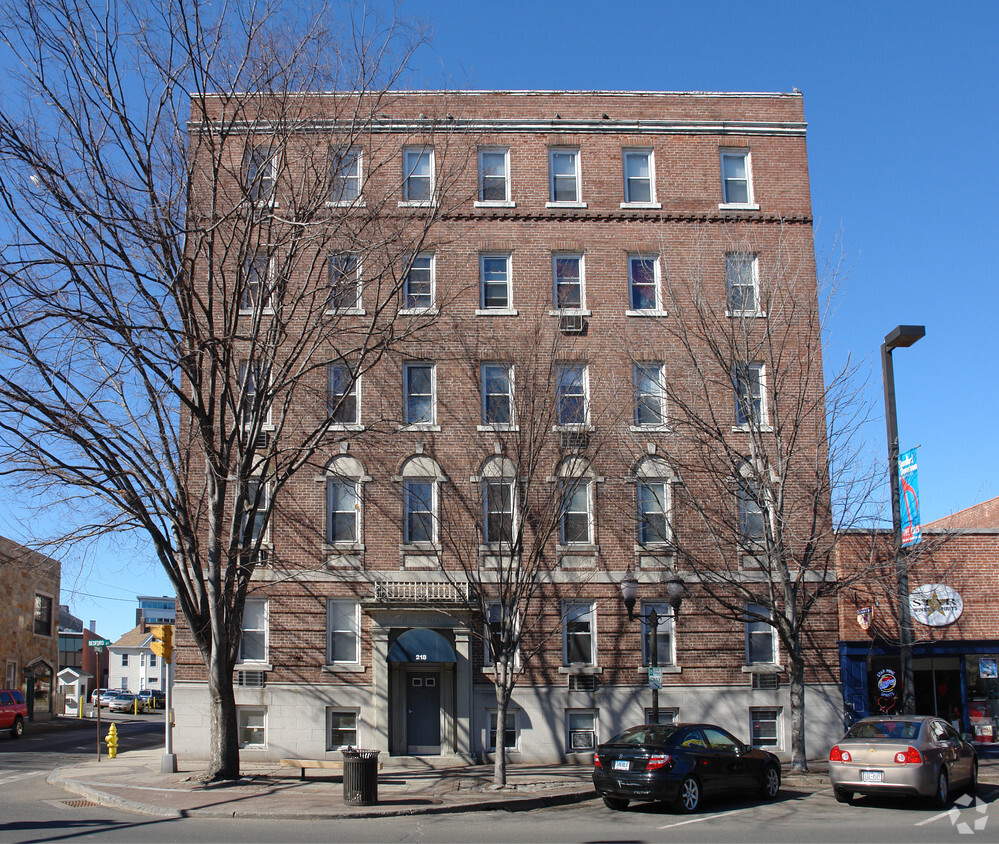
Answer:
(162, 640)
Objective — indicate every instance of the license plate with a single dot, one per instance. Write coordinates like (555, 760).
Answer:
(872, 776)
(621, 765)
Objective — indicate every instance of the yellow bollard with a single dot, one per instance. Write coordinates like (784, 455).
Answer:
(111, 740)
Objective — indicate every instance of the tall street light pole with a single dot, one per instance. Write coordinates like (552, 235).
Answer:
(900, 337)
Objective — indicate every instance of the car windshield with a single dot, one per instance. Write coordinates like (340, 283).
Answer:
(647, 734)
(898, 730)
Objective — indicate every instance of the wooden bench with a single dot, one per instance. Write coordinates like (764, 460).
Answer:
(302, 764)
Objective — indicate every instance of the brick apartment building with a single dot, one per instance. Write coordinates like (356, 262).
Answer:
(568, 215)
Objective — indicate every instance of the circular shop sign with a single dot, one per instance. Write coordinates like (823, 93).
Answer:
(935, 605)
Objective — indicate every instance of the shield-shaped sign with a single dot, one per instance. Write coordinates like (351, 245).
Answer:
(865, 616)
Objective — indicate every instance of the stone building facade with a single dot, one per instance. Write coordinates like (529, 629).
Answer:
(570, 214)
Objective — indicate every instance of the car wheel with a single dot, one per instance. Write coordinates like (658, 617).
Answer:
(615, 803)
(973, 782)
(770, 787)
(688, 798)
(17, 728)
(843, 796)
(942, 797)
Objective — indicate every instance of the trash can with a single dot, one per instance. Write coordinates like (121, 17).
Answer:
(360, 776)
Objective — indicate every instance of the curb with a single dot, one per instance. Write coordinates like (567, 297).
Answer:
(112, 801)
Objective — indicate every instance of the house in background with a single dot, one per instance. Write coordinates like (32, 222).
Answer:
(133, 665)
(29, 646)
(76, 652)
(155, 610)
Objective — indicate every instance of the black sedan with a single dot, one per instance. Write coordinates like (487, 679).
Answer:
(681, 764)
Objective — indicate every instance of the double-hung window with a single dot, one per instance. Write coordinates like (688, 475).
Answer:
(346, 165)
(750, 404)
(343, 624)
(498, 497)
(653, 511)
(494, 622)
(764, 727)
(253, 643)
(343, 509)
(255, 290)
(343, 392)
(342, 728)
(494, 175)
(252, 380)
(662, 631)
(643, 283)
(577, 634)
(255, 510)
(420, 399)
(42, 618)
(650, 398)
(509, 732)
(737, 185)
(743, 288)
(418, 286)
(575, 524)
(497, 394)
(251, 724)
(760, 636)
(582, 728)
(345, 283)
(570, 393)
(260, 173)
(563, 167)
(567, 276)
(638, 185)
(494, 282)
(418, 174)
(751, 525)
(419, 517)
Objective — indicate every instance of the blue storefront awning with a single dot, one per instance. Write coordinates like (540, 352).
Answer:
(421, 645)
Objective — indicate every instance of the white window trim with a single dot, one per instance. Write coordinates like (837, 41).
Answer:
(496, 203)
(487, 661)
(566, 608)
(647, 151)
(658, 310)
(675, 710)
(356, 543)
(591, 527)
(778, 724)
(432, 307)
(483, 309)
(272, 165)
(661, 426)
(573, 426)
(356, 389)
(669, 660)
(754, 260)
(268, 293)
(763, 423)
(774, 642)
(357, 309)
(240, 709)
(568, 730)
(738, 206)
(430, 425)
(358, 201)
(407, 174)
(434, 542)
(484, 489)
(356, 631)
(497, 426)
(493, 714)
(333, 710)
(556, 310)
(668, 504)
(578, 201)
(262, 664)
(264, 503)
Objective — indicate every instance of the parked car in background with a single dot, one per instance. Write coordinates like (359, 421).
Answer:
(127, 702)
(903, 755)
(107, 696)
(153, 698)
(95, 695)
(681, 764)
(13, 712)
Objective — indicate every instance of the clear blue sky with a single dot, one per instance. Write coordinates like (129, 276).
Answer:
(902, 109)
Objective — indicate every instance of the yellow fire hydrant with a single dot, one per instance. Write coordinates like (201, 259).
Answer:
(111, 739)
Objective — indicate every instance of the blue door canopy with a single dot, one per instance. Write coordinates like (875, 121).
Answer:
(421, 645)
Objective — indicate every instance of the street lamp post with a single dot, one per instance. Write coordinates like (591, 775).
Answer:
(902, 336)
(674, 592)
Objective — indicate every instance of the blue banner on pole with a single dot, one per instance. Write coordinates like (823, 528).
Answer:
(908, 493)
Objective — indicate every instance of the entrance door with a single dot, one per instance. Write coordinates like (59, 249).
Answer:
(423, 712)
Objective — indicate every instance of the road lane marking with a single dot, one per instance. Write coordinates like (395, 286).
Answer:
(20, 775)
(705, 818)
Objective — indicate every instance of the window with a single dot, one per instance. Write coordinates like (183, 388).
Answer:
(345, 283)
(492, 631)
(251, 724)
(418, 286)
(764, 723)
(152, 660)
(574, 523)
(255, 510)
(742, 283)
(736, 184)
(751, 525)
(255, 290)
(342, 730)
(666, 716)
(346, 166)
(124, 684)
(653, 512)
(581, 726)
(643, 282)
(577, 634)
(567, 273)
(260, 172)
(750, 407)
(663, 633)
(497, 496)
(638, 177)
(343, 623)
(343, 392)
(418, 175)
(497, 394)
(342, 511)
(420, 406)
(650, 400)
(563, 166)
(494, 175)
(43, 615)
(253, 644)
(509, 733)
(124, 660)
(252, 376)
(571, 394)
(419, 507)
(760, 636)
(494, 281)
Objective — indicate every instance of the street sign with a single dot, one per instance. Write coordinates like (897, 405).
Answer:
(655, 678)
(100, 643)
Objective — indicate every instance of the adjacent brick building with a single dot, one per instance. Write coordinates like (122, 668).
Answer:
(570, 212)
(29, 618)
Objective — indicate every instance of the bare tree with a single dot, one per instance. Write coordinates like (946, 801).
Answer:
(185, 267)
(768, 449)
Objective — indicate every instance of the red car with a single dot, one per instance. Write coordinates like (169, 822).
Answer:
(13, 712)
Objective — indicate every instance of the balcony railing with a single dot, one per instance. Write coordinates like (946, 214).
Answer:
(422, 591)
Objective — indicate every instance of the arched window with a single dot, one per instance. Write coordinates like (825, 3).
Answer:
(498, 480)
(421, 478)
(575, 478)
(653, 477)
(344, 482)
